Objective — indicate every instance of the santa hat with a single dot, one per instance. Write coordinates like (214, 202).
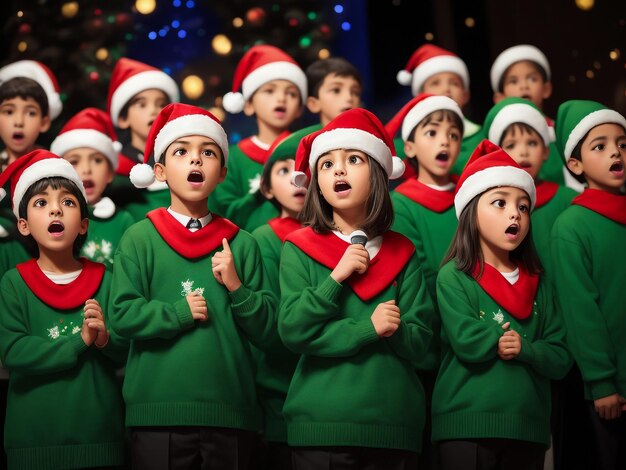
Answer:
(90, 128)
(417, 109)
(513, 55)
(174, 121)
(490, 167)
(42, 75)
(429, 60)
(575, 118)
(32, 167)
(130, 77)
(259, 65)
(356, 129)
(514, 110)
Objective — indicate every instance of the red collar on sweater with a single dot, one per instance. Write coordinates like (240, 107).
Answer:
(327, 249)
(606, 204)
(545, 192)
(436, 201)
(518, 298)
(256, 153)
(63, 296)
(192, 244)
(284, 226)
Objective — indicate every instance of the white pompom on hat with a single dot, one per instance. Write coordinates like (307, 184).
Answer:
(429, 60)
(356, 129)
(91, 128)
(42, 75)
(259, 65)
(174, 121)
(32, 167)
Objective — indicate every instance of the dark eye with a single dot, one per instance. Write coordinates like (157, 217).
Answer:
(208, 153)
(523, 208)
(354, 159)
(283, 171)
(98, 160)
(69, 202)
(40, 203)
(509, 146)
(327, 164)
(431, 133)
(599, 147)
(455, 136)
(499, 203)
(180, 152)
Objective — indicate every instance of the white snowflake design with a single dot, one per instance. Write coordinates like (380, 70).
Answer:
(100, 252)
(498, 317)
(63, 330)
(254, 184)
(54, 332)
(188, 288)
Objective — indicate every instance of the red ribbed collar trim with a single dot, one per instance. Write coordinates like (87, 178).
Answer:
(436, 201)
(284, 226)
(606, 204)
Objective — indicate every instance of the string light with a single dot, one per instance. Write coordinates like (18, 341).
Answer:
(145, 7)
(69, 9)
(237, 22)
(585, 5)
(221, 44)
(323, 54)
(102, 54)
(22, 46)
(470, 22)
(193, 87)
(614, 54)
(590, 74)
(429, 36)
(20, 14)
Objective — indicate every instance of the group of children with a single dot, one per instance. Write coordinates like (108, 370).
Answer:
(178, 301)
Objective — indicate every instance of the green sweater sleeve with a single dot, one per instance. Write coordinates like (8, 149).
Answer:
(577, 300)
(472, 339)
(253, 307)
(548, 355)
(133, 316)
(27, 354)
(411, 340)
(309, 321)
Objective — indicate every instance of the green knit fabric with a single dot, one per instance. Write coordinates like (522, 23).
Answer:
(104, 235)
(238, 197)
(181, 372)
(64, 406)
(589, 256)
(352, 388)
(12, 252)
(479, 395)
(431, 233)
(146, 201)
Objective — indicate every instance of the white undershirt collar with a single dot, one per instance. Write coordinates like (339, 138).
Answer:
(184, 219)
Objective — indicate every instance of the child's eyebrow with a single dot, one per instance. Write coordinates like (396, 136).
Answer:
(602, 137)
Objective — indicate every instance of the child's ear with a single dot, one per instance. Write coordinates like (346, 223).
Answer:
(223, 173)
(160, 172)
(45, 124)
(248, 108)
(266, 194)
(575, 166)
(313, 104)
(465, 98)
(547, 90)
(22, 227)
(122, 122)
(546, 152)
(84, 225)
(409, 149)
(497, 97)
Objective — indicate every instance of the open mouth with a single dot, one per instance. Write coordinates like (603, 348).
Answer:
(18, 135)
(195, 177)
(280, 109)
(150, 123)
(617, 167)
(300, 193)
(526, 97)
(525, 164)
(442, 157)
(341, 186)
(88, 184)
(56, 227)
(512, 230)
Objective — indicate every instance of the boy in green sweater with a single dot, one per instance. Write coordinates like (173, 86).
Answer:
(64, 406)
(186, 291)
(88, 142)
(437, 71)
(519, 127)
(589, 257)
(273, 90)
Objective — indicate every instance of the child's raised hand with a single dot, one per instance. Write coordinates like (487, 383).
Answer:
(509, 344)
(610, 407)
(386, 318)
(93, 324)
(197, 305)
(224, 268)
(354, 259)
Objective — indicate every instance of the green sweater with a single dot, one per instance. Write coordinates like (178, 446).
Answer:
(275, 365)
(103, 236)
(431, 232)
(589, 256)
(352, 388)
(181, 372)
(479, 395)
(238, 197)
(64, 406)
(147, 200)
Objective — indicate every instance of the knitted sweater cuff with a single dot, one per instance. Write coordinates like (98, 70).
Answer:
(329, 289)
(183, 312)
(78, 344)
(602, 388)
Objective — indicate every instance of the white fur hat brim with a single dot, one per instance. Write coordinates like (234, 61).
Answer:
(88, 138)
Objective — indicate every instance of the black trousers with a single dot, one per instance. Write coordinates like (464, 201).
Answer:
(352, 458)
(490, 454)
(270, 455)
(191, 448)
(609, 446)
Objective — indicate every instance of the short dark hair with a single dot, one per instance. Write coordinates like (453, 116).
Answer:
(540, 69)
(436, 116)
(577, 154)
(318, 213)
(266, 181)
(520, 127)
(25, 88)
(55, 182)
(465, 246)
(320, 69)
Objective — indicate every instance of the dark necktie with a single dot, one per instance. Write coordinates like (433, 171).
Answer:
(194, 223)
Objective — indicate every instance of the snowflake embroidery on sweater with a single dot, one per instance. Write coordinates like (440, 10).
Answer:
(53, 332)
(188, 288)
(254, 184)
(63, 330)
(99, 252)
(498, 317)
